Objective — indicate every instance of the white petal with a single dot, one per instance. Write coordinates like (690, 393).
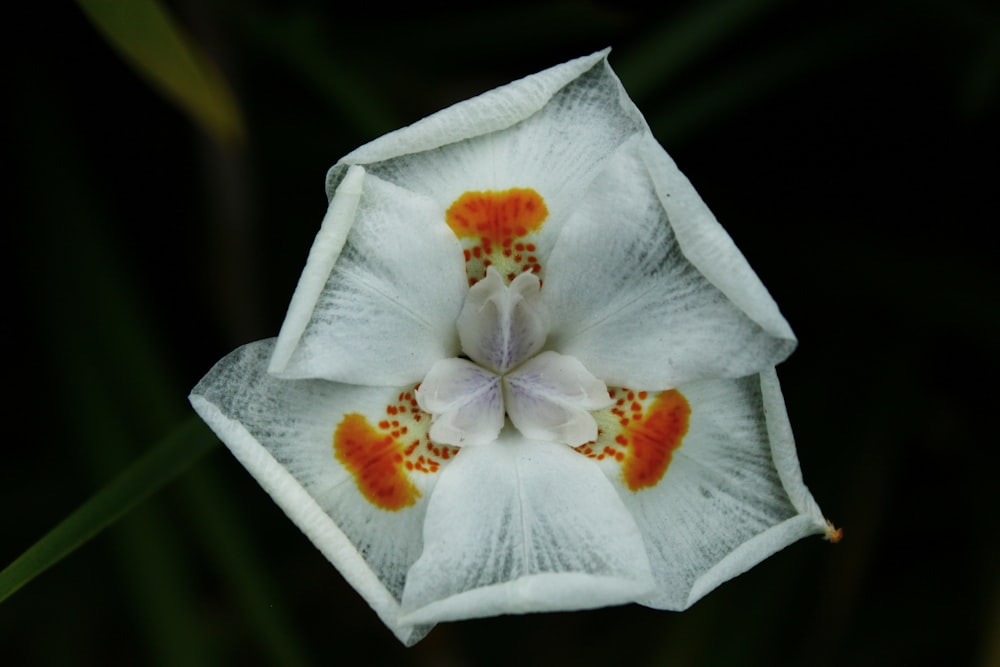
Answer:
(282, 432)
(548, 398)
(732, 496)
(550, 132)
(501, 326)
(465, 400)
(378, 299)
(522, 526)
(707, 245)
(624, 298)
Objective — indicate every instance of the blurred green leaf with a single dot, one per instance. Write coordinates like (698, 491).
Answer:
(215, 516)
(119, 382)
(171, 456)
(151, 41)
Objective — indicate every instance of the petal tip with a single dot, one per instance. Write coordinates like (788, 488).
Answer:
(832, 533)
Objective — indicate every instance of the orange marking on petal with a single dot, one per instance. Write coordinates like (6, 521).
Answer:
(497, 216)
(374, 460)
(492, 226)
(654, 439)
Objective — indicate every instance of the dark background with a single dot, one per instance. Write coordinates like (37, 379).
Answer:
(849, 148)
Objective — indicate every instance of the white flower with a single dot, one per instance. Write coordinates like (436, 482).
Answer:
(524, 369)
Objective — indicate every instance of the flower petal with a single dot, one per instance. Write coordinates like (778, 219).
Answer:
(549, 398)
(626, 300)
(732, 496)
(377, 301)
(522, 526)
(550, 132)
(501, 326)
(282, 431)
(465, 400)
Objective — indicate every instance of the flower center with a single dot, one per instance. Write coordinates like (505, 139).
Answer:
(546, 395)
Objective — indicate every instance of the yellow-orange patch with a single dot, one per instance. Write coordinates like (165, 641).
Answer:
(653, 439)
(495, 227)
(382, 457)
(640, 432)
(375, 460)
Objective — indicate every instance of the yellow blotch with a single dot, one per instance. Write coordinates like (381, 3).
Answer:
(497, 216)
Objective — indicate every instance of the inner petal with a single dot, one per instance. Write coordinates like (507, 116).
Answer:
(500, 326)
(465, 401)
(550, 396)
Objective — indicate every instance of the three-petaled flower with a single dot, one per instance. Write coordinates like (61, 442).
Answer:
(524, 369)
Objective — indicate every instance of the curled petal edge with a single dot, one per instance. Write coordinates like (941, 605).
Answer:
(306, 513)
(323, 254)
(491, 111)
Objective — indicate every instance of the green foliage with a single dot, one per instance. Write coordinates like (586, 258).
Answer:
(161, 464)
(152, 42)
